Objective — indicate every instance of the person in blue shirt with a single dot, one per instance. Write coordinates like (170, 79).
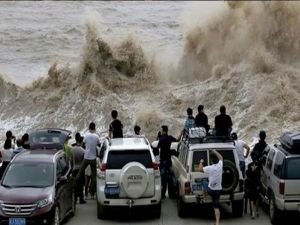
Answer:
(190, 120)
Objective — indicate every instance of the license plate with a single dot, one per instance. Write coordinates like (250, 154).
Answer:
(112, 190)
(17, 221)
(197, 187)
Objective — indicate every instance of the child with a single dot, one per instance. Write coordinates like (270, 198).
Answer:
(253, 186)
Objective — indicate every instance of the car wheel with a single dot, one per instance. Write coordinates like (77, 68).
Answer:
(274, 213)
(56, 219)
(181, 208)
(157, 211)
(238, 208)
(101, 211)
(230, 177)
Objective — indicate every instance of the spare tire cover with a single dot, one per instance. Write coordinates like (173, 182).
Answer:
(230, 177)
(134, 179)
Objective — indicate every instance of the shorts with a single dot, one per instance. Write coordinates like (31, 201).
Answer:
(215, 195)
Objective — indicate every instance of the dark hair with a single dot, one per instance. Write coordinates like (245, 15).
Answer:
(92, 126)
(9, 134)
(262, 135)
(137, 129)
(213, 158)
(234, 136)
(25, 137)
(114, 114)
(222, 109)
(165, 128)
(189, 111)
(158, 135)
(19, 142)
(78, 138)
(200, 108)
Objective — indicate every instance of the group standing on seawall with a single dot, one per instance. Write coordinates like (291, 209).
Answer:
(83, 154)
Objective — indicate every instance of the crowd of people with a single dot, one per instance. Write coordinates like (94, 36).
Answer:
(84, 152)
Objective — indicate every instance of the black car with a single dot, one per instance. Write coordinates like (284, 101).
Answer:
(48, 138)
(37, 188)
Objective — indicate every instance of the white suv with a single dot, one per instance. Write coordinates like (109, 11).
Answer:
(127, 176)
(191, 182)
(280, 179)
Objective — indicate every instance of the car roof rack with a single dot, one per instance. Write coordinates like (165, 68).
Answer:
(206, 139)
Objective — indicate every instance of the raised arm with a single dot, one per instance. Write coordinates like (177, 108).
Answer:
(219, 156)
(201, 166)
(247, 150)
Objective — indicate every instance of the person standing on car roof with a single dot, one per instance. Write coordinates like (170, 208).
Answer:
(190, 120)
(164, 144)
(240, 147)
(223, 123)
(6, 153)
(91, 140)
(78, 156)
(214, 172)
(201, 119)
(116, 127)
(259, 148)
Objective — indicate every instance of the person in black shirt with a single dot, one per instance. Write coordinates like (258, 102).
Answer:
(201, 119)
(253, 187)
(25, 140)
(223, 123)
(116, 127)
(164, 144)
(259, 148)
(137, 130)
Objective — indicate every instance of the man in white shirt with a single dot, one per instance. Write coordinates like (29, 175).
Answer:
(214, 172)
(91, 140)
(240, 147)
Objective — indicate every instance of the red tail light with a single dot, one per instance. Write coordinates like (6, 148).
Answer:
(103, 167)
(187, 188)
(155, 166)
(281, 187)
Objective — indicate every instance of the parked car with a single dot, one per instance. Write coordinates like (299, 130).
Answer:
(281, 177)
(128, 176)
(191, 182)
(48, 138)
(37, 188)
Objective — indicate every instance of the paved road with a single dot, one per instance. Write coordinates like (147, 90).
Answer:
(86, 215)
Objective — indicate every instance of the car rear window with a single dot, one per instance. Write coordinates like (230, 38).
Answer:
(292, 168)
(118, 159)
(197, 156)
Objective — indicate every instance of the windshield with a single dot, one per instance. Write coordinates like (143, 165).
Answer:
(292, 168)
(29, 174)
(50, 139)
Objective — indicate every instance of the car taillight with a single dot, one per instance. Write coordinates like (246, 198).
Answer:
(155, 166)
(187, 188)
(103, 167)
(281, 187)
